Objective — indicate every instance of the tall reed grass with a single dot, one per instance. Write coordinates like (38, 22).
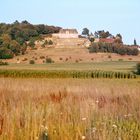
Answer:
(69, 109)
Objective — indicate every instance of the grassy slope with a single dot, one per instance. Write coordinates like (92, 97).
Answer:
(71, 54)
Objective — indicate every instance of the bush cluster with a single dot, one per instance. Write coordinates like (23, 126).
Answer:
(3, 63)
(31, 62)
(138, 68)
(113, 48)
(49, 60)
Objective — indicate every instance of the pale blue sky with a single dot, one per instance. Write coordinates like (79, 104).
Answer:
(117, 16)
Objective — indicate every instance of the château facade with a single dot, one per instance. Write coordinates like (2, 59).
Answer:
(67, 33)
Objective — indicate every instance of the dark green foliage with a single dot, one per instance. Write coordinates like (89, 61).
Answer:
(135, 42)
(6, 53)
(31, 43)
(138, 68)
(15, 36)
(31, 62)
(45, 43)
(50, 42)
(102, 34)
(42, 57)
(113, 48)
(85, 32)
(49, 60)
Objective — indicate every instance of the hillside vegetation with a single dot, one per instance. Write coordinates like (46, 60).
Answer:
(14, 37)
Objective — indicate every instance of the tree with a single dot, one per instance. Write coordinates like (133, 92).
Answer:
(138, 68)
(119, 35)
(16, 22)
(14, 37)
(6, 53)
(25, 22)
(102, 34)
(1, 41)
(15, 47)
(50, 42)
(23, 49)
(85, 32)
(32, 43)
(135, 42)
(118, 39)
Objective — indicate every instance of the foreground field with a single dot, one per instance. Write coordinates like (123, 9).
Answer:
(69, 109)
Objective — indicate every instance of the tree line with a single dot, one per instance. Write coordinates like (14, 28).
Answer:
(14, 37)
(116, 46)
(113, 48)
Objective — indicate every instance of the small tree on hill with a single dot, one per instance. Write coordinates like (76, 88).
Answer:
(138, 68)
(85, 32)
(135, 42)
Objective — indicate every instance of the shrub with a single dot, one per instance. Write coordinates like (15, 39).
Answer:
(31, 43)
(109, 56)
(6, 53)
(25, 59)
(49, 60)
(66, 59)
(3, 63)
(42, 57)
(76, 61)
(31, 62)
(138, 68)
(50, 42)
(130, 59)
(120, 59)
(45, 43)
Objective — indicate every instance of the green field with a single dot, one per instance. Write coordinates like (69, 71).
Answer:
(71, 70)
(106, 66)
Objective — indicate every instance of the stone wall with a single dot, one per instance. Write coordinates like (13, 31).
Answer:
(59, 35)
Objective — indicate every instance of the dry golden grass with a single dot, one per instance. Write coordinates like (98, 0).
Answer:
(70, 54)
(69, 109)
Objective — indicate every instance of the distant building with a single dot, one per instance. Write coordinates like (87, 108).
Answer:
(67, 33)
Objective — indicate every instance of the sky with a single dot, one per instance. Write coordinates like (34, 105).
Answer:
(115, 16)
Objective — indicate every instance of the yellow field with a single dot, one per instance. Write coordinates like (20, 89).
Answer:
(69, 109)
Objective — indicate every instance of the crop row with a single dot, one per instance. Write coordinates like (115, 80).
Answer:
(65, 74)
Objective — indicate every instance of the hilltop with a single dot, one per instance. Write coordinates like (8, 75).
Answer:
(24, 42)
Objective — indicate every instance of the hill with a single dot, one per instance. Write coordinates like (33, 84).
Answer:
(68, 55)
